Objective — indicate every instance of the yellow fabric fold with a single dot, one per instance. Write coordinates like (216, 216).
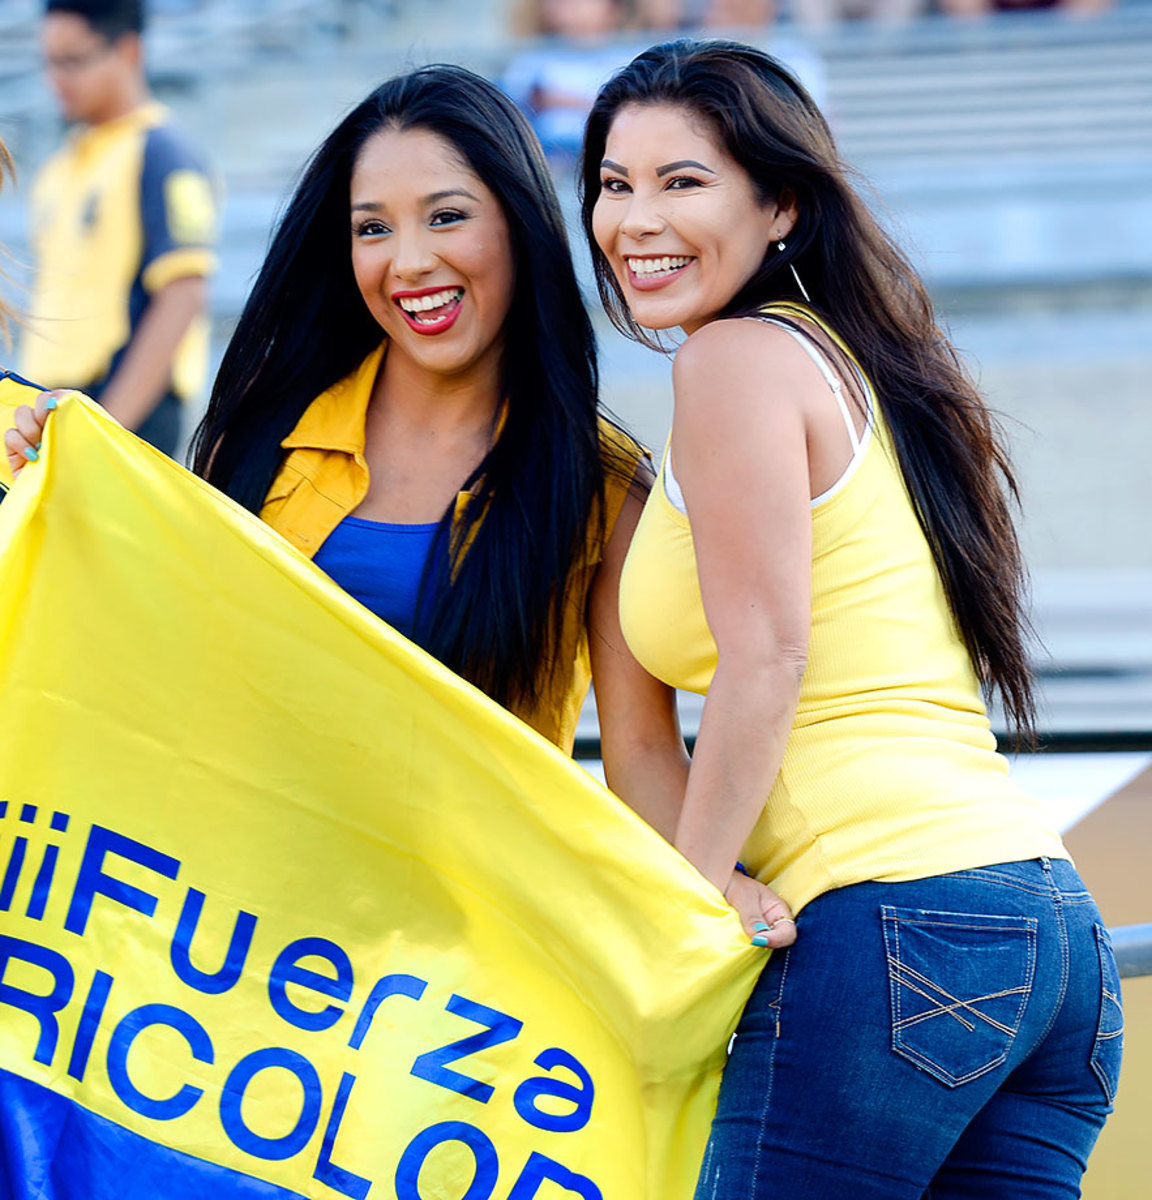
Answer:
(317, 910)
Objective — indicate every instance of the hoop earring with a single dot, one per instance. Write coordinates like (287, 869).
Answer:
(792, 268)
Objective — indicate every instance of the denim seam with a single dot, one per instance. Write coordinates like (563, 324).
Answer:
(771, 1075)
(1029, 924)
(949, 1010)
(1062, 935)
(1100, 935)
(989, 875)
(1000, 881)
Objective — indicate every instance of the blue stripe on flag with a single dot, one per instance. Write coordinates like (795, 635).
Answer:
(52, 1149)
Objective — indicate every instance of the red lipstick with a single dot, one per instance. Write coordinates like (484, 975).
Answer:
(430, 322)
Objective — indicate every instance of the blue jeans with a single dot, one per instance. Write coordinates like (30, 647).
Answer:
(958, 1036)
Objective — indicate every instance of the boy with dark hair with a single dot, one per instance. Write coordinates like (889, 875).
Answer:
(124, 220)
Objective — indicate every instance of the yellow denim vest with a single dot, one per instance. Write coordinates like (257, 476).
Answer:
(324, 477)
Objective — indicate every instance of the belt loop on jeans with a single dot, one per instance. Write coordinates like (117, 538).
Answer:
(1046, 864)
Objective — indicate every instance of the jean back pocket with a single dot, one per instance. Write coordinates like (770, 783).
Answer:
(1109, 1044)
(959, 984)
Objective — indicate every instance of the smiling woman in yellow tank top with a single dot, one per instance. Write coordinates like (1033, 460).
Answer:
(828, 555)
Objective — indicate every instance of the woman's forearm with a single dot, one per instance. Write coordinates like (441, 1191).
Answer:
(651, 779)
(743, 734)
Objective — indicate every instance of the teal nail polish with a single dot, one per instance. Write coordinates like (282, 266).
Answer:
(759, 940)
(50, 404)
(761, 927)
(30, 454)
(38, 445)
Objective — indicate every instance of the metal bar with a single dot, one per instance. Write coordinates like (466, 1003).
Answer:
(1133, 946)
(1063, 742)
(1088, 741)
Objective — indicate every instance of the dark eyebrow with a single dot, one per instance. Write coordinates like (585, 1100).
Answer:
(613, 166)
(434, 198)
(684, 162)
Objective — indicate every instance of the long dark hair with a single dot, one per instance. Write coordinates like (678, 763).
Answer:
(950, 451)
(493, 598)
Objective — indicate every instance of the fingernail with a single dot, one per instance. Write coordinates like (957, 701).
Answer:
(761, 927)
(38, 445)
(30, 454)
(759, 940)
(50, 404)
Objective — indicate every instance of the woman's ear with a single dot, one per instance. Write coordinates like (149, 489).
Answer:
(785, 215)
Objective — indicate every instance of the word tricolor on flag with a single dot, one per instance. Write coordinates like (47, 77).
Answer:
(287, 909)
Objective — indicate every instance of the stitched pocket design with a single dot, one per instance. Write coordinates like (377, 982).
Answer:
(959, 984)
(1108, 1048)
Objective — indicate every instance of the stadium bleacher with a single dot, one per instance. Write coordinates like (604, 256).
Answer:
(1013, 154)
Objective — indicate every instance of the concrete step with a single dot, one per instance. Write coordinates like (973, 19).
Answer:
(983, 136)
(956, 82)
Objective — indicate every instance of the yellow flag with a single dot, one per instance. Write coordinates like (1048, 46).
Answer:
(287, 909)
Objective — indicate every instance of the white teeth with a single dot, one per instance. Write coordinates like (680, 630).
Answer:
(419, 304)
(657, 266)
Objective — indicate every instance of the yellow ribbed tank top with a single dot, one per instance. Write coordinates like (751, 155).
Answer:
(891, 770)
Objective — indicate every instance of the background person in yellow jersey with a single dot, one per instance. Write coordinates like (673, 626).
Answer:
(410, 398)
(123, 223)
(828, 554)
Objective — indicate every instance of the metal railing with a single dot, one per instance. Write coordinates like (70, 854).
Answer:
(1131, 943)
(587, 744)
(1133, 947)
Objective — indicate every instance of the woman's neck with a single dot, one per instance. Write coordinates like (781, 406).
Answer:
(408, 395)
(425, 435)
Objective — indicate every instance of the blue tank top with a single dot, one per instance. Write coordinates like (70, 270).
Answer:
(380, 565)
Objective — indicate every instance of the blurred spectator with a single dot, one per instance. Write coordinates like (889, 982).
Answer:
(123, 220)
(662, 18)
(723, 15)
(556, 81)
(755, 20)
(982, 8)
(819, 14)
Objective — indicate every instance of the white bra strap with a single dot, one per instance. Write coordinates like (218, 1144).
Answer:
(815, 354)
(672, 485)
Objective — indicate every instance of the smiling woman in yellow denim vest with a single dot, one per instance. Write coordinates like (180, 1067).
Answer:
(415, 361)
(828, 554)
(414, 337)
(413, 378)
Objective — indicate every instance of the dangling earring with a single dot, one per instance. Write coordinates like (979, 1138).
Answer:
(791, 267)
